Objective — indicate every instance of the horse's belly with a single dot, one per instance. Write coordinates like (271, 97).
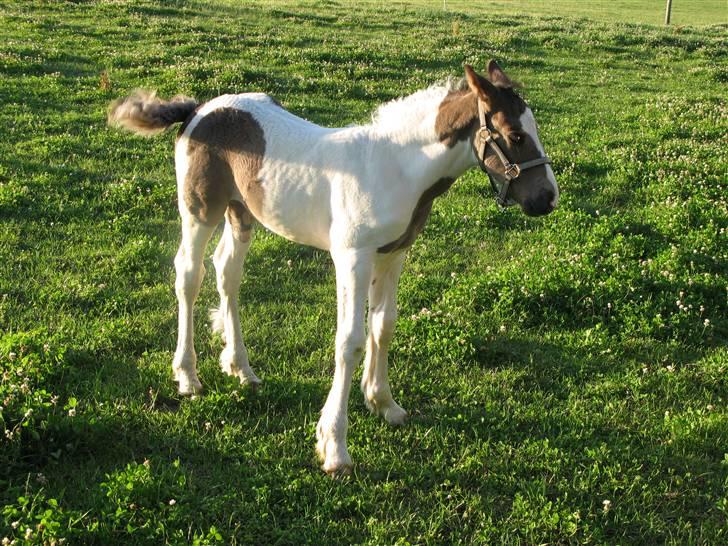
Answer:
(295, 207)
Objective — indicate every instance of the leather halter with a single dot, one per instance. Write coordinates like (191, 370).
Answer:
(483, 137)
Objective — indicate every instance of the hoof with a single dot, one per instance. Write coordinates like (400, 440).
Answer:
(188, 386)
(389, 410)
(254, 383)
(334, 457)
(236, 365)
(394, 415)
(340, 472)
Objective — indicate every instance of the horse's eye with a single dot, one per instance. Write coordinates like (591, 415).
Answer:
(515, 137)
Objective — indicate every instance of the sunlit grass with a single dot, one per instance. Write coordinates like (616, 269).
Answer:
(566, 375)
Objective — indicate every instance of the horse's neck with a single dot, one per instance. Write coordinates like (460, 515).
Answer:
(420, 156)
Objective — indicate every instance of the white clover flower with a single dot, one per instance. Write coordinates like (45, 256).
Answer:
(12, 356)
(172, 502)
(72, 412)
(606, 505)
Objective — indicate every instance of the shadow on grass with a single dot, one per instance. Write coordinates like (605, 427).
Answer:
(236, 443)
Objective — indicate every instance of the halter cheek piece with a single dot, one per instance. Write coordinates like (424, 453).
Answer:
(483, 137)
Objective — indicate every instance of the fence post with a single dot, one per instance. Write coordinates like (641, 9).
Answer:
(668, 9)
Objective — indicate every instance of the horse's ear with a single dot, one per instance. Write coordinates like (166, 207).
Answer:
(479, 85)
(497, 76)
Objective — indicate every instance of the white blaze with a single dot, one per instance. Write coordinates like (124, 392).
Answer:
(528, 122)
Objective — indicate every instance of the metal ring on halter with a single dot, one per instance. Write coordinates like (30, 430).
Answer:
(485, 133)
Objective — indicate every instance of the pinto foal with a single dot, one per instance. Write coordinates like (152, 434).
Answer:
(363, 193)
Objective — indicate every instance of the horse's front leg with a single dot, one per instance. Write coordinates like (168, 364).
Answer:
(382, 319)
(353, 272)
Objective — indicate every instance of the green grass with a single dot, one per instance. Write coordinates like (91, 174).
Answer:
(692, 12)
(547, 363)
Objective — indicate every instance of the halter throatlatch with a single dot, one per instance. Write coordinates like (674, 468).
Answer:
(483, 137)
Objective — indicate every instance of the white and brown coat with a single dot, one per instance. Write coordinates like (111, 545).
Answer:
(363, 193)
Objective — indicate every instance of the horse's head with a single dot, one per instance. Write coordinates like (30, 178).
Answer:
(507, 146)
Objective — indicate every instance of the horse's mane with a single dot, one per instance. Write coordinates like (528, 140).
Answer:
(416, 106)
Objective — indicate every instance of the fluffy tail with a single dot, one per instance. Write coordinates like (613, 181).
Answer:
(144, 113)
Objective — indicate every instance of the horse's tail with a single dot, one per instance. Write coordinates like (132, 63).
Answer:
(144, 113)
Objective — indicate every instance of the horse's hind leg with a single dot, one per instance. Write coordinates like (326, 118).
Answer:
(382, 318)
(229, 258)
(190, 271)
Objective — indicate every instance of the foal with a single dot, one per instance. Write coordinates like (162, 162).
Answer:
(363, 193)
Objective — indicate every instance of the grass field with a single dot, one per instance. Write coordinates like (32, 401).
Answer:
(684, 12)
(567, 376)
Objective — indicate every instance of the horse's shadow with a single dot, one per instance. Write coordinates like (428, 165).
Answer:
(542, 400)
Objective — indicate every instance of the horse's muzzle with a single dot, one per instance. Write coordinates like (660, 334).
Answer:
(540, 205)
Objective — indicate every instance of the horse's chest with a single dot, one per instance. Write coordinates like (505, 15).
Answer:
(418, 218)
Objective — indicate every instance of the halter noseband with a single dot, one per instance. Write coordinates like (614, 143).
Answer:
(484, 136)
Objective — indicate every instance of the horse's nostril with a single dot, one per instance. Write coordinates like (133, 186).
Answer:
(541, 205)
(548, 198)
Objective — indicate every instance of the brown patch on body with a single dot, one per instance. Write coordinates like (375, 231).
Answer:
(419, 216)
(186, 122)
(225, 151)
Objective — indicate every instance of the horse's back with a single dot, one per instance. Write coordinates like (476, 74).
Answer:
(248, 148)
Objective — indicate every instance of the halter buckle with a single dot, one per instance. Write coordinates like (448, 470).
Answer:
(512, 170)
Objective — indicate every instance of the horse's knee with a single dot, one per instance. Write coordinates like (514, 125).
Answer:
(351, 347)
(189, 277)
